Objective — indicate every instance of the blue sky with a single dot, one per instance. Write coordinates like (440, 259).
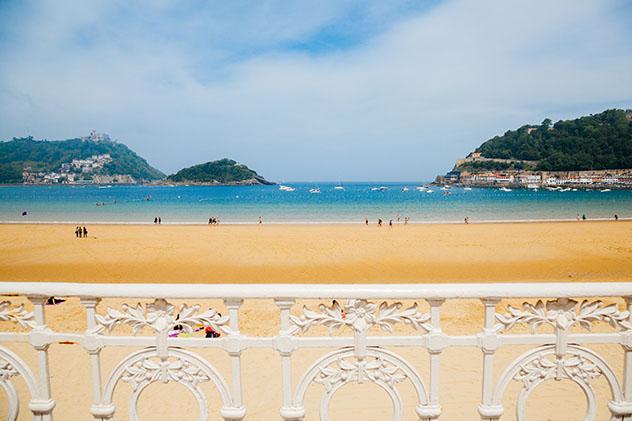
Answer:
(303, 90)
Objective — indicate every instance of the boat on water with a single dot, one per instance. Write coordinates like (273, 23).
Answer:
(286, 188)
(505, 189)
(605, 190)
(467, 188)
(381, 188)
(421, 188)
(405, 189)
(444, 188)
(339, 187)
(428, 191)
(532, 186)
(315, 190)
(105, 187)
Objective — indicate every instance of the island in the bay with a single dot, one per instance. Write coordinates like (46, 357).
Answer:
(97, 159)
(594, 151)
(221, 172)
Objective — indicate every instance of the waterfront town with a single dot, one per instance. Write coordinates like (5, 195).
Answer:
(596, 179)
(78, 171)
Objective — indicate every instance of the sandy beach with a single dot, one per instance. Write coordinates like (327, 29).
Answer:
(560, 251)
(538, 252)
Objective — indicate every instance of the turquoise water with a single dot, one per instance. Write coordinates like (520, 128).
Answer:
(244, 204)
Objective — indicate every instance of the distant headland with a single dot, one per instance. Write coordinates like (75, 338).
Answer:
(594, 151)
(97, 159)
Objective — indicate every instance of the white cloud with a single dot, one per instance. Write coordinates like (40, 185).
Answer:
(402, 104)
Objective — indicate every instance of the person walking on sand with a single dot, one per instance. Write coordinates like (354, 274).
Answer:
(260, 220)
(467, 220)
(155, 220)
(366, 221)
(379, 222)
(85, 232)
(159, 220)
(390, 223)
(583, 216)
(77, 232)
(616, 217)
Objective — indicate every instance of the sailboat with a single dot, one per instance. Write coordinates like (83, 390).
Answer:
(339, 186)
(315, 190)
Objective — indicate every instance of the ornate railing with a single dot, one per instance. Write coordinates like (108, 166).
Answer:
(569, 310)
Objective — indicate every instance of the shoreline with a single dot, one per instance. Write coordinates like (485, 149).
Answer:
(322, 223)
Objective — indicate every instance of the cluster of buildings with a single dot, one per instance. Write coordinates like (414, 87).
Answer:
(78, 171)
(536, 179)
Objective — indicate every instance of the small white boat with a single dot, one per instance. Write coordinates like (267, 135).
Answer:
(339, 188)
(381, 188)
(505, 189)
(532, 186)
(565, 190)
(467, 188)
(605, 190)
(405, 189)
(314, 190)
(428, 191)
(444, 188)
(421, 188)
(573, 189)
(286, 188)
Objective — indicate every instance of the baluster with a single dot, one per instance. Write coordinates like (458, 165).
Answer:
(289, 412)
(42, 405)
(624, 409)
(489, 343)
(233, 346)
(436, 344)
(93, 346)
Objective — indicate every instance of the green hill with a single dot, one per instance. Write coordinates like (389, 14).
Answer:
(223, 171)
(47, 156)
(599, 141)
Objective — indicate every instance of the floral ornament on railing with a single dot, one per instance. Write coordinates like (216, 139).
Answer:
(6, 370)
(17, 314)
(575, 368)
(563, 314)
(161, 316)
(375, 370)
(360, 315)
(150, 371)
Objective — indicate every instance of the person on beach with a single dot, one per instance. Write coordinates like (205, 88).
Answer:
(77, 232)
(583, 217)
(209, 332)
(85, 232)
(54, 301)
(467, 220)
(366, 221)
(379, 222)
(260, 220)
(616, 217)
(390, 223)
(159, 220)
(155, 220)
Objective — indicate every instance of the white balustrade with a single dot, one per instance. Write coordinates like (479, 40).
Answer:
(357, 357)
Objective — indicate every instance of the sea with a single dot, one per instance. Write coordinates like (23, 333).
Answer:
(351, 204)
